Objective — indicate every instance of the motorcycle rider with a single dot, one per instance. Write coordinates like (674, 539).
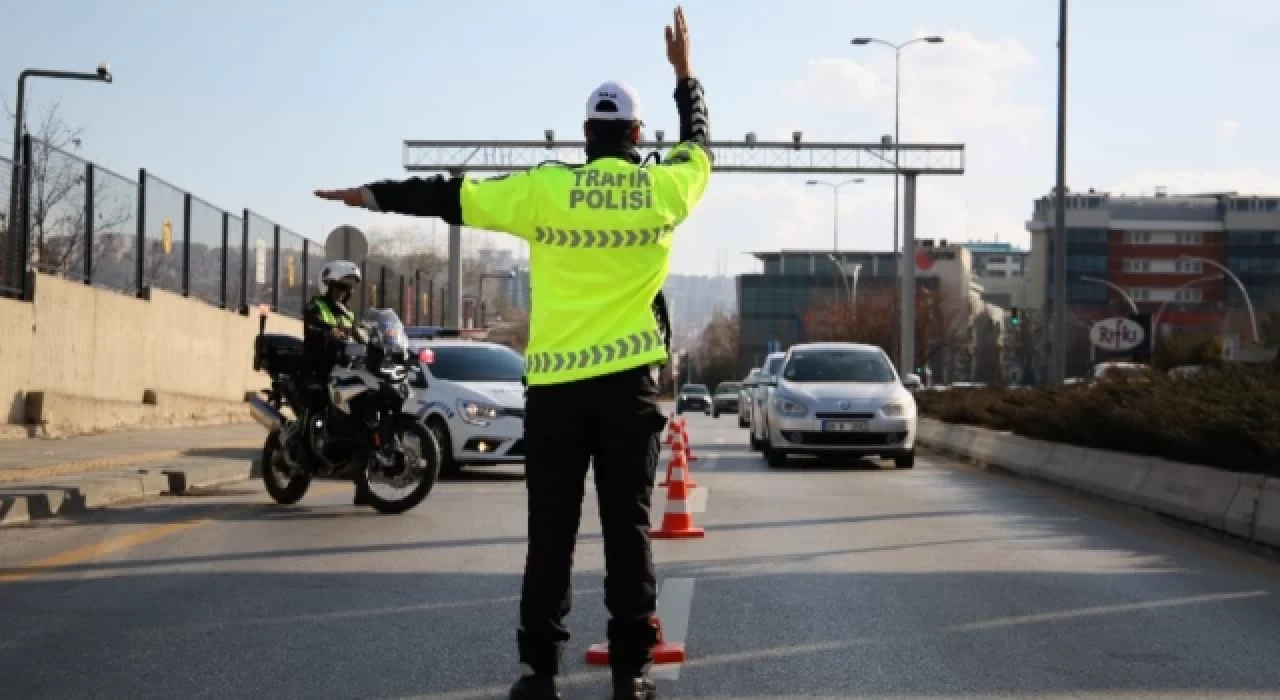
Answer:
(603, 235)
(327, 324)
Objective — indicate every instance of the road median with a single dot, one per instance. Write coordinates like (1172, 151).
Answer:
(1241, 504)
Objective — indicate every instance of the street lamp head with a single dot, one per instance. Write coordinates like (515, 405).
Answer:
(812, 182)
(861, 41)
(934, 39)
(104, 72)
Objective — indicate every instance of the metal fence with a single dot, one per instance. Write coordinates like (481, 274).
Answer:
(69, 217)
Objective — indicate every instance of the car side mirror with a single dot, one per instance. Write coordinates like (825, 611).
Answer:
(912, 382)
(771, 381)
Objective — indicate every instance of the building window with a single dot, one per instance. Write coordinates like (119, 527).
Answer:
(1189, 266)
(1087, 263)
(1189, 294)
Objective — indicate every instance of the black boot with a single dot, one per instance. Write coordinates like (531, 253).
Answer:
(639, 688)
(535, 687)
(362, 497)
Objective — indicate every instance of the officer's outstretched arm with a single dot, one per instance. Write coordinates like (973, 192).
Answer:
(504, 203)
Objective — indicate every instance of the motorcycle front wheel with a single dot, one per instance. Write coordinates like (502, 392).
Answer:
(418, 474)
(285, 485)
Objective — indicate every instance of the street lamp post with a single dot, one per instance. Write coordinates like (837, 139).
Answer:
(1155, 320)
(102, 74)
(1253, 319)
(835, 200)
(897, 103)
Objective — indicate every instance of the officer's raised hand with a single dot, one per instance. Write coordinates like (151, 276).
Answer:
(678, 45)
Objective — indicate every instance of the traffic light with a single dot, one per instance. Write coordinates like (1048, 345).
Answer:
(1013, 317)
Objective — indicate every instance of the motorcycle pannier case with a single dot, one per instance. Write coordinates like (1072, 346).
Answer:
(277, 354)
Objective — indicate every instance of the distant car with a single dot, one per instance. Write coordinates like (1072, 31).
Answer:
(725, 399)
(839, 398)
(695, 397)
(470, 394)
(744, 397)
(760, 399)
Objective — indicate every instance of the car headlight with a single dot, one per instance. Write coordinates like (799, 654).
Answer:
(473, 412)
(894, 409)
(789, 407)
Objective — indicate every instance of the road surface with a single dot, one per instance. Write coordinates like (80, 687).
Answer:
(814, 581)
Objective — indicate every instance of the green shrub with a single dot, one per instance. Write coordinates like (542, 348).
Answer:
(1229, 420)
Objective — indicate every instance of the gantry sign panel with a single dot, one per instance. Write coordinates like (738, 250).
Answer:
(781, 157)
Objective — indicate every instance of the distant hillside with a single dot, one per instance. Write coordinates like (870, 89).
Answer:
(694, 298)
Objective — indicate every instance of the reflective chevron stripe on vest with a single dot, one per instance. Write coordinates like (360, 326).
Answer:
(635, 344)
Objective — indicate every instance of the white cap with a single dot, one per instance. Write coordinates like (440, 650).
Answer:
(613, 100)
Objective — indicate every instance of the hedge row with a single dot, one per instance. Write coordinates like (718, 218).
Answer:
(1229, 420)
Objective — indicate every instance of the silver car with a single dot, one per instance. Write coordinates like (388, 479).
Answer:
(760, 398)
(839, 399)
(744, 397)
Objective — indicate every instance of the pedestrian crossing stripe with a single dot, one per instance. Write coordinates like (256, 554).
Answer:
(600, 238)
(622, 348)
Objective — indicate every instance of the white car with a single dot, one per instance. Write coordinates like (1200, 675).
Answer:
(471, 395)
(839, 399)
(760, 398)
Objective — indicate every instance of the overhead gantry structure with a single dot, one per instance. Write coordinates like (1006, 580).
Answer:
(749, 156)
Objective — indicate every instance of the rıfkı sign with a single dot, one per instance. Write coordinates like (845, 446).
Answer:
(1117, 334)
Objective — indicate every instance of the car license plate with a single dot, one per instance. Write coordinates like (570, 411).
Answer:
(845, 426)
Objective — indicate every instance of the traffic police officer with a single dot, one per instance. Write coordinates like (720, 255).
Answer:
(600, 238)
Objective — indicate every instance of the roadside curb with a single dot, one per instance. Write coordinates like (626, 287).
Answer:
(1243, 505)
(27, 501)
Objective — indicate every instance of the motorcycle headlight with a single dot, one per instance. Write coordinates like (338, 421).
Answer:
(789, 407)
(473, 412)
(894, 409)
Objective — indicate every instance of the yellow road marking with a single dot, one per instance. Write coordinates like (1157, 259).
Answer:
(122, 543)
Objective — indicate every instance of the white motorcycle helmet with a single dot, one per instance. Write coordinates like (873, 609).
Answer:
(343, 273)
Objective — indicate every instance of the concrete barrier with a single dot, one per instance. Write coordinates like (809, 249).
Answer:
(75, 340)
(1244, 505)
(1267, 518)
(56, 415)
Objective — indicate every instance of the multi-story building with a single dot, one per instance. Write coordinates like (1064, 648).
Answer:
(1001, 270)
(1162, 251)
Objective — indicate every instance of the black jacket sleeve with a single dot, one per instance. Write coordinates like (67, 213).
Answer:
(695, 121)
(436, 196)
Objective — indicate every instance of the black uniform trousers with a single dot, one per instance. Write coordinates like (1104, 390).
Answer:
(614, 424)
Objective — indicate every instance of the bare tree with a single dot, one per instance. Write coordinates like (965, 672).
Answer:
(716, 355)
(58, 192)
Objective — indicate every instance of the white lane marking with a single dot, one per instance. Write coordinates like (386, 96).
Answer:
(675, 603)
(1101, 610)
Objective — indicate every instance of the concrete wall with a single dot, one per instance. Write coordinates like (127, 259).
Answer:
(100, 344)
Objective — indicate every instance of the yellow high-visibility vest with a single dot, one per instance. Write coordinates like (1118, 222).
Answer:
(600, 245)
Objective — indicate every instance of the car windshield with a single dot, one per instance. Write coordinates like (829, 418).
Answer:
(476, 363)
(695, 389)
(829, 365)
(728, 388)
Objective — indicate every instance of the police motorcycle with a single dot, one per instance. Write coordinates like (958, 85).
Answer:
(361, 435)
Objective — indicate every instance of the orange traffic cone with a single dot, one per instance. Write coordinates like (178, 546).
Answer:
(679, 460)
(688, 447)
(663, 652)
(677, 521)
(672, 429)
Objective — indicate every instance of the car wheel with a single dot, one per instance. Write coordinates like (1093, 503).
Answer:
(905, 461)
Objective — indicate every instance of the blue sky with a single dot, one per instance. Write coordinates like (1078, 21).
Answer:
(255, 104)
